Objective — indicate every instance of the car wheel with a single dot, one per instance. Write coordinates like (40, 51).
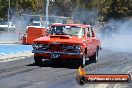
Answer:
(83, 61)
(94, 57)
(38, 60)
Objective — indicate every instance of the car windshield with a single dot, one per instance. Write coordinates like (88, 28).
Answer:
(67, 30)
(35, 24)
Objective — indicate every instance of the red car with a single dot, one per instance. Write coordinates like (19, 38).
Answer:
(67, 41)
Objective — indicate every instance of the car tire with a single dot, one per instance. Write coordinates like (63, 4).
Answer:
(94, 57)
(82, 61)
(38, 60)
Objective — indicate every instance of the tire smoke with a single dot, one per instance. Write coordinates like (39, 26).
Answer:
(121, 39)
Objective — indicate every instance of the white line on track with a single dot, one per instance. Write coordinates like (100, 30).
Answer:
(128, 70)
(102, 86)
(116, 85)
(17, 56)
(7, 60)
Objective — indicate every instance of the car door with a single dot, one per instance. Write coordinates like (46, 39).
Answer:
(94, 40)
(89, 43)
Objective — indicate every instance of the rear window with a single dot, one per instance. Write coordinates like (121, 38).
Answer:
(35, 24)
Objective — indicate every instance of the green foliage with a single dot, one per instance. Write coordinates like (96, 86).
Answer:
(19, 6)
(107, 8)
(115, 9)
(3, 8)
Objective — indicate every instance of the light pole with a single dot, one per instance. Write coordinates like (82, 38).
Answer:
(47, 18)
(9, 11)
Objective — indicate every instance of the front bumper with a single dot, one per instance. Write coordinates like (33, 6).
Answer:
(64, 55)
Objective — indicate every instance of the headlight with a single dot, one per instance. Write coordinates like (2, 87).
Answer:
(69, 47)
(39, 46)
(74, 48)
(35, 46)
(77, 48)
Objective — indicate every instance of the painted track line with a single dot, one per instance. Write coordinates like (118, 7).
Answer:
(102, 86)
(127, 70)
(16, 56)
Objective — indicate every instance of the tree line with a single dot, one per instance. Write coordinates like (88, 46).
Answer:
(107, 9)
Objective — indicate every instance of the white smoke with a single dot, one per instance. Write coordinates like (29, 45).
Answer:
(13, 34)
(83, 15)
(20, 28)
(121, 39)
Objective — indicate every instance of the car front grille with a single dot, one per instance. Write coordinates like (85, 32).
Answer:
(56, 47)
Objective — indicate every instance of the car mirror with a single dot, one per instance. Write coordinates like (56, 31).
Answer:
(93, 35)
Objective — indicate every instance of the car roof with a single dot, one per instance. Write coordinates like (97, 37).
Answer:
(80, 25)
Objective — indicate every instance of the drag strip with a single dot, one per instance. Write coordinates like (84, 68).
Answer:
(16, 56)
(10, 52)
(24, 73)
(6, 49)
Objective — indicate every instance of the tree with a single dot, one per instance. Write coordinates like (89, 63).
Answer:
(62, 7)
(107, 9)
(3, 8)
(19, 6)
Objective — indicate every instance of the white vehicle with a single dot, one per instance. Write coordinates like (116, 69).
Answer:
(36, 24)
(9, 26)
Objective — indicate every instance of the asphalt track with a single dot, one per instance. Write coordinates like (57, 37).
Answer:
(23, 73)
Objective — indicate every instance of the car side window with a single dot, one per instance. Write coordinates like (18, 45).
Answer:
(88, 32)
(91, 32)
(83, 32)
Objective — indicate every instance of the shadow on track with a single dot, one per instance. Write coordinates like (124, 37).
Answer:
(71, 64)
